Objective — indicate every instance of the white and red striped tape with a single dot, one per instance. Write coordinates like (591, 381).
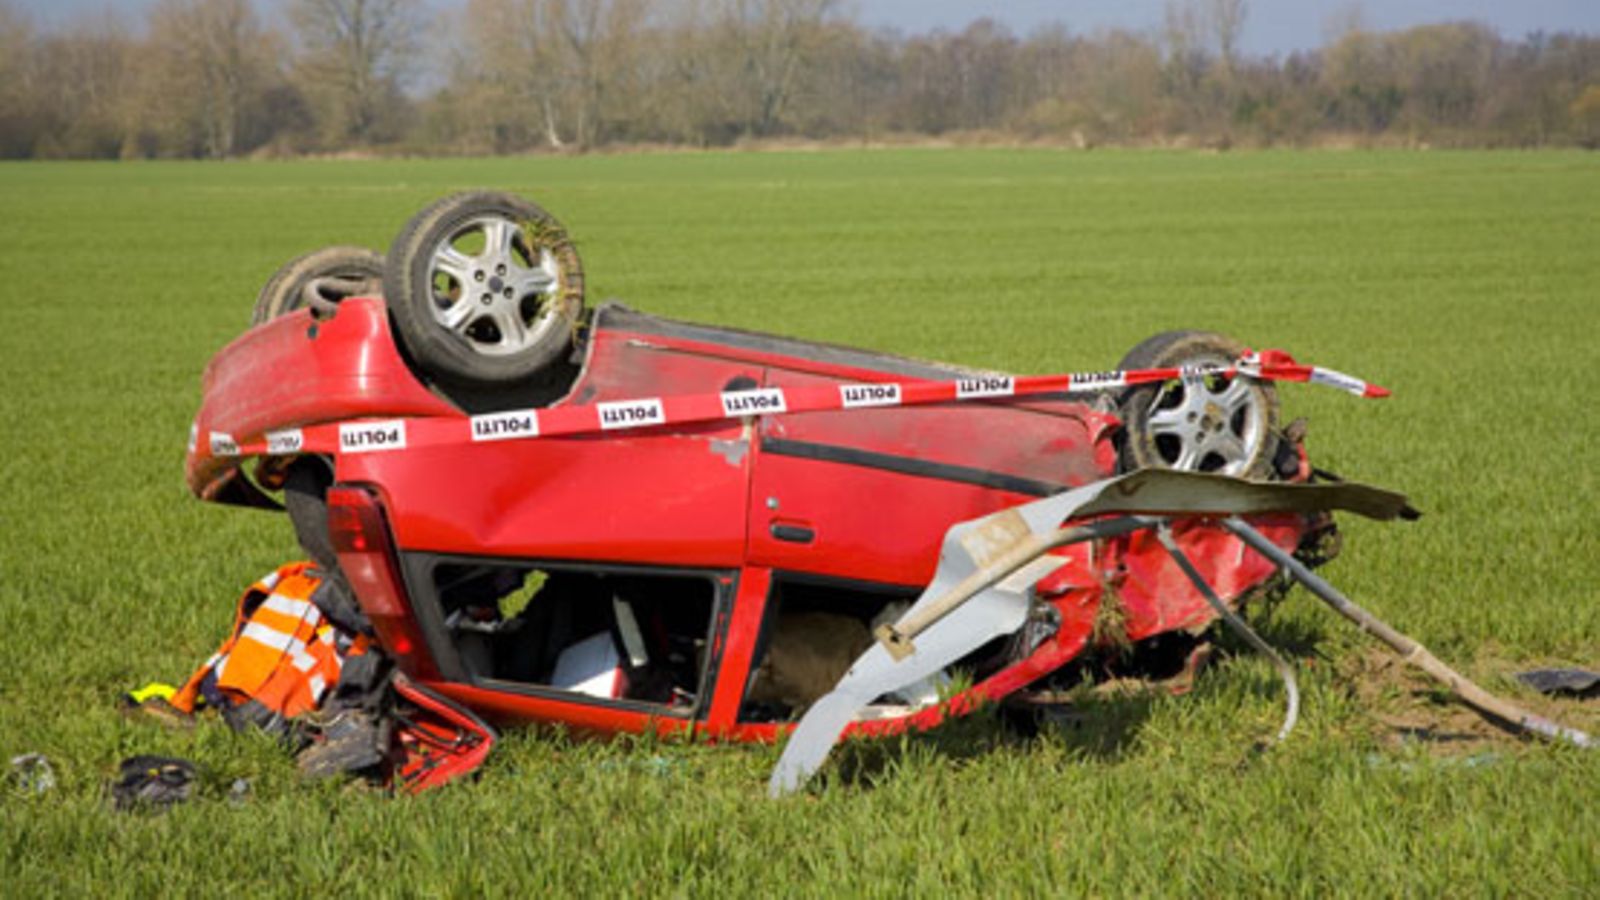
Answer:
(643, 412)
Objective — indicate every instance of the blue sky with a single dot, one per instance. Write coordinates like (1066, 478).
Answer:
(1272, 26)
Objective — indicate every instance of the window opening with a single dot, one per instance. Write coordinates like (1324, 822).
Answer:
(610, 635)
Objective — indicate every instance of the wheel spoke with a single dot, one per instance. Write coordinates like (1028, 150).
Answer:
(1170, 421)
(533, 281)
(513, 334)
(497, 234)
(1188, 457)
(454, 263)
(459, 314)
(1235, 396)
(1229, 446)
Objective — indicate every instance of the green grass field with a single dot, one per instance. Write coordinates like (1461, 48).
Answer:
(1465, 282)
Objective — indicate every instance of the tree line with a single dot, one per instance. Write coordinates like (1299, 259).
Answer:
(214, 79)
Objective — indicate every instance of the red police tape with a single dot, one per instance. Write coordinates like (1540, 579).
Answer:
(370, 435)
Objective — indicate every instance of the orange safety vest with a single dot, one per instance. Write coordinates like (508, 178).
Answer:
(281, 653)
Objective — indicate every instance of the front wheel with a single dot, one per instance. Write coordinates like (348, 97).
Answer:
(1203, 423)
(485, 289)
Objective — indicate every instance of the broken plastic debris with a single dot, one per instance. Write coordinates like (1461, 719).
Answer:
(1576, 682)
(34, 773)
(152, 782)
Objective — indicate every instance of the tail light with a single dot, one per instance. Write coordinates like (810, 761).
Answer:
(367, 557)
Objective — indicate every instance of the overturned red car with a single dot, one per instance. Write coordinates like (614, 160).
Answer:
(620, 522)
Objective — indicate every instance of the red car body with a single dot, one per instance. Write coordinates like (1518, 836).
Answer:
(819, 510)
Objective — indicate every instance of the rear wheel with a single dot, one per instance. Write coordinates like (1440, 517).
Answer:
(485, 289)
(319, 279)
(1202, 423)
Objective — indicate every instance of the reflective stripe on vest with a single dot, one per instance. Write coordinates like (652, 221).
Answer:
(281, 654)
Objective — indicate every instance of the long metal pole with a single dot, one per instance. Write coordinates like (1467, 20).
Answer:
(1285, 671)
(1410, 650)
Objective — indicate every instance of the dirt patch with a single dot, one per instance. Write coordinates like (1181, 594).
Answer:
(1409, 708)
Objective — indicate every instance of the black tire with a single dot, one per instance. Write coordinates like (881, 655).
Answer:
(305, 496)
(320, 278)
(475, 313)
(1161, 433)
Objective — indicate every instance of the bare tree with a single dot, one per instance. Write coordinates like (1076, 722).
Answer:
(1585, 112)
(1226, 18)
(1116, 91)
(582, 32)
(509, 71)
(1351, 18)
(356, 55)
(564, 59)
(1361, 81)
(1184, 34)
(769, 40)
(211, 60)
(688, 81)
(599, 39)
(1446, 73)
(963, 81)
(1202, 40)
(208, 80)
(81, 86)
(18, 125)
(16, 37)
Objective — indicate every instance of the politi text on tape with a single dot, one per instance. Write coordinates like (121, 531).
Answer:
(759, 401)
(223, 444)
(858, 395)
(500, 426)
(1098, 381)
(285, 442)
(364, 437)
(985, 386)
(631, 413)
